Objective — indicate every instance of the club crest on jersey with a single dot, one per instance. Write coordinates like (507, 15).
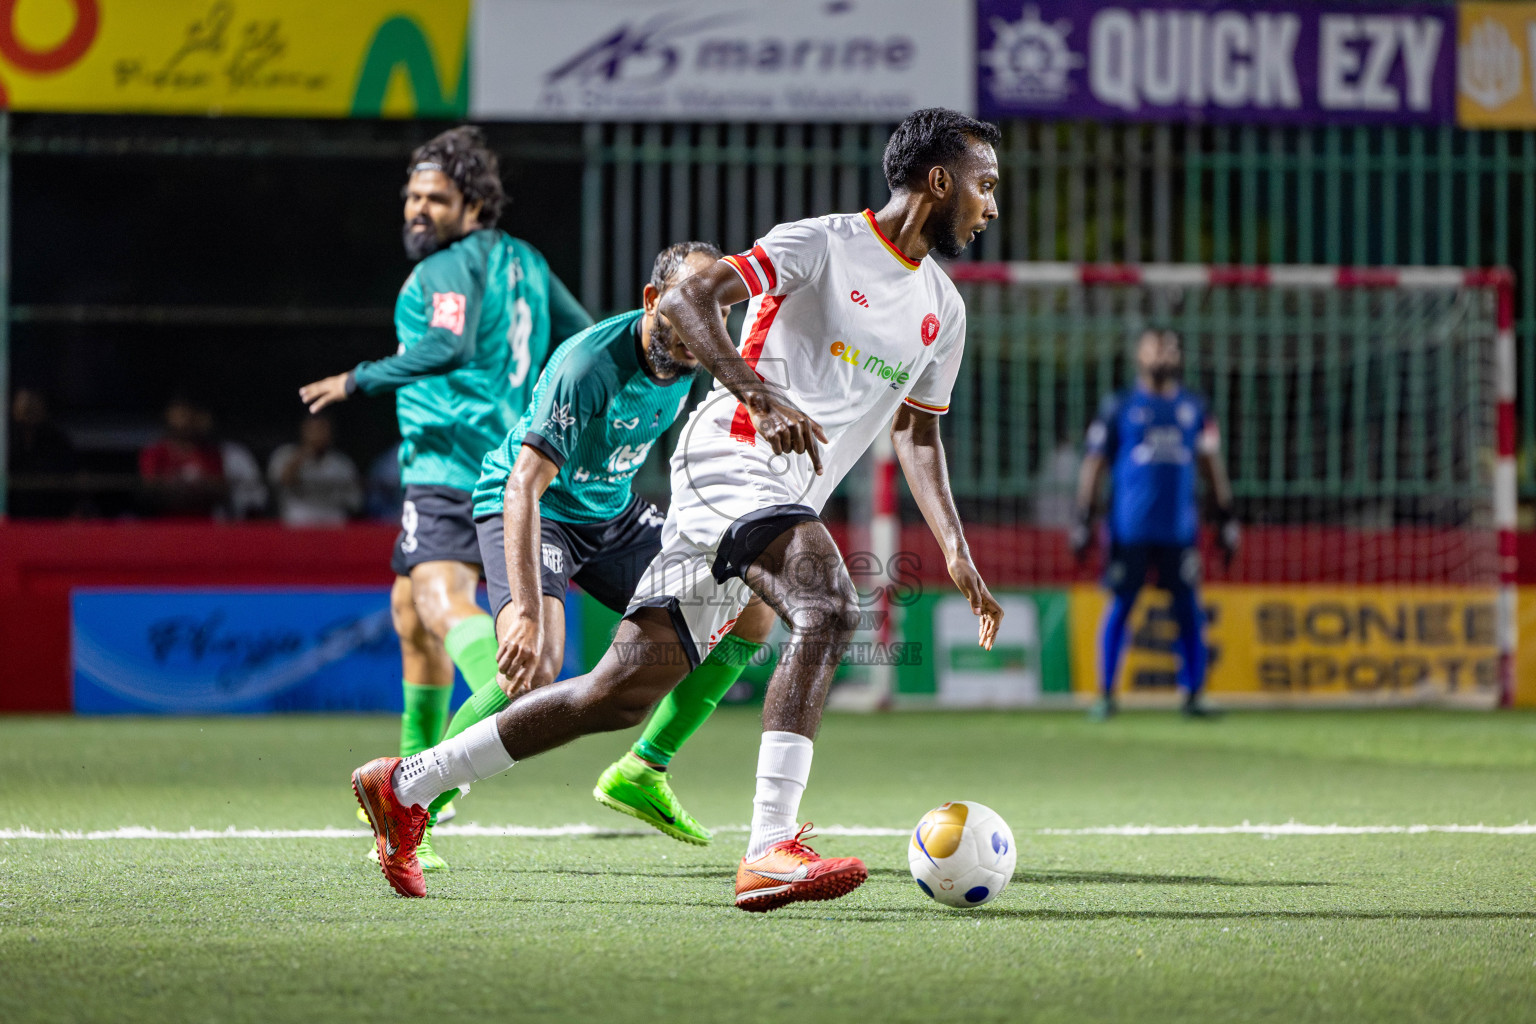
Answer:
(930, 329)
(448, 311)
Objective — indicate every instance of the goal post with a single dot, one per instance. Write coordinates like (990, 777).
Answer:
(1368, 426)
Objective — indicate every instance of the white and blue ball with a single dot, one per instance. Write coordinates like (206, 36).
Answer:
(962, 854)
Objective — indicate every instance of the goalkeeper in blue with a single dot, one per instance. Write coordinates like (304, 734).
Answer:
(1149, 440)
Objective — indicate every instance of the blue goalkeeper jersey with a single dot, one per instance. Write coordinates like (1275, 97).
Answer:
(1151, 442)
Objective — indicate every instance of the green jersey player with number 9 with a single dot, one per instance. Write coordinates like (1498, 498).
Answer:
(475, 321)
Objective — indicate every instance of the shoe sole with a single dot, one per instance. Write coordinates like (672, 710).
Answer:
(827, 887)
(670, 831)
(362, 801)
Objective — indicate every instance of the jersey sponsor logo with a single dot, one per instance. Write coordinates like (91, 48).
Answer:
(627, 458)
(448, 311)
(930, 329)
(626, 424)
(560, 417)
(553, 558)
(650, 517)
(858, 298)
(897, 375)
(1161, 446)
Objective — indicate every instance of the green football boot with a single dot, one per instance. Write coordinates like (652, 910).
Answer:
(631, 787)
(430, 859)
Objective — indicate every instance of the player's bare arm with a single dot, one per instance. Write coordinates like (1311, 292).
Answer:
(693, 308)
(1080, 539)
(1229, 533)
(915, 436)
(520, 650)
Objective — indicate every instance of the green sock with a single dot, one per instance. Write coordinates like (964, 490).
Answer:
(472, 645)
(484, 703)
(426, 709)
(682, 711)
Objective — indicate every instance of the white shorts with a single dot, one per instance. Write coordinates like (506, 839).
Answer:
(719, 493)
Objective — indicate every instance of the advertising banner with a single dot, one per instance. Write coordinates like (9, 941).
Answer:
(362, 58)
(936, 660)
(1309, 643)
(791, 60)
(202, 652)
(1254, 63)
(1496, 65)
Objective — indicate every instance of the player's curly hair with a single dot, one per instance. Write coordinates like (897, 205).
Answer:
(929, 138)
(463, 155)
(672, 257)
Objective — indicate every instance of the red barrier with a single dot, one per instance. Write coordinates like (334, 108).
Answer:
(41, 562)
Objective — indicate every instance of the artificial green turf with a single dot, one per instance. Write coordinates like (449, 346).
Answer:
(639, 928)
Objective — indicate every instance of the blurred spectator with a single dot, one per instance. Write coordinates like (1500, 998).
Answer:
(41, 460)
(386, 497)
(246, 493)
(183, 472)
(315, 484)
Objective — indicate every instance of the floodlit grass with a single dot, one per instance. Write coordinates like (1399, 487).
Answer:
(635, 927)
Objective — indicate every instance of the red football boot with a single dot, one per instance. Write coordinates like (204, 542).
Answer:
(789, 871)
(397, 829)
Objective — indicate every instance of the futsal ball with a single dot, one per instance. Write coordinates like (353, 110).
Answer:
(962, 854)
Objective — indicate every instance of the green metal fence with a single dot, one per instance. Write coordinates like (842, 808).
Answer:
(1096, 192)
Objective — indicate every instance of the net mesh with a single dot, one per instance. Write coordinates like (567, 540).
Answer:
(1358, 425)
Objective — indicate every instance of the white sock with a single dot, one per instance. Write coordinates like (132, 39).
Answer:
(783, 768)
(472, 755)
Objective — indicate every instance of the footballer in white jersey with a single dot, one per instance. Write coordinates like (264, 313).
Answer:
(851, 328)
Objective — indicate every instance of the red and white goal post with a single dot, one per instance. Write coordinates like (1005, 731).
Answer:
(1368, 425)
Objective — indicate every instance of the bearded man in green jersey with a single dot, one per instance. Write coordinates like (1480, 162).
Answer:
(475, 322)
(554, 506)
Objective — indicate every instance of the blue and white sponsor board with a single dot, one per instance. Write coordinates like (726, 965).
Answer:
(719, 60)
(240, 651)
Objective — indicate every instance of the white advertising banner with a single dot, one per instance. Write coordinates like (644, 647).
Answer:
(714, 60)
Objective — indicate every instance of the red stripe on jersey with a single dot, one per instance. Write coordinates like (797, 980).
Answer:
(741, 424)
(926, 408)
(754, 286)
(768, 271)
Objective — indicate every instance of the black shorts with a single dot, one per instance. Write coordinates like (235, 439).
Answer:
(437, 524)
(604, 559)
(1178, 567)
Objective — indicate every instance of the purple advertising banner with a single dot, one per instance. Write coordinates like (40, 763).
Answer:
(1278, 63)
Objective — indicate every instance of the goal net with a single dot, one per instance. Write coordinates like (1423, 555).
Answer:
(1367, 428)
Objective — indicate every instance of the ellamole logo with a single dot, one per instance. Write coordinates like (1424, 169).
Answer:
(897, 375)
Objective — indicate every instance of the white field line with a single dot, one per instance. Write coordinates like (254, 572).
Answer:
(1290, 828)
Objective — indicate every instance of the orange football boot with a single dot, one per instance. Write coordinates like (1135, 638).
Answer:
(789, 871)
(397, 829)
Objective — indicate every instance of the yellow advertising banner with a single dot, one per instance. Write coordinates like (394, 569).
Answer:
(294, 58)
(1496, 65)
(1312, 642)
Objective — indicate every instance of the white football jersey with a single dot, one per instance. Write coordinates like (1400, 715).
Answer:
(850, 328)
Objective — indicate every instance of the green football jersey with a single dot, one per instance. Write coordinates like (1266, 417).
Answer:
(475, 322)
(596, 412)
